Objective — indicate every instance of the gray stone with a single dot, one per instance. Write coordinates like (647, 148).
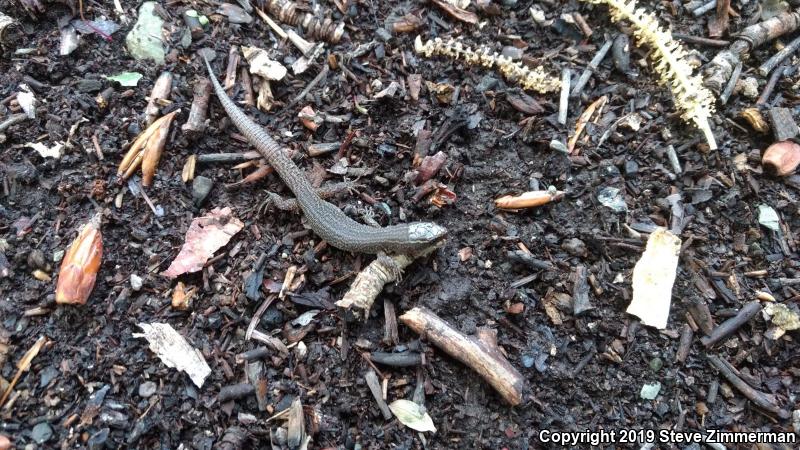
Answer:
(487, 82)
(41, 433)
(147, 389)
(512, 52)
(201, 187)
(87, 85)
(631, 167)
(136, 282)
(98, 440)
(144, 41)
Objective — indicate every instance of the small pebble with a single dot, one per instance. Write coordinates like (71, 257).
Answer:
(656, 364)
(201, 187)
(136, 282)
(147, 389)
(528, 361)
(631, 167)
(98, 440)
(41, 433)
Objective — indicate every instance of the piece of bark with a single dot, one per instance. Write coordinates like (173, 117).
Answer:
(580, 291)
(685, 344)
(247, 85)
(479, 352)
(701, 315)
(377, 393)
(783, 125)
(728, 327)
(160, 92)
(230, 71)
(233, 439)
(390, 335)
(719, 70)
(719, 25)
(196, 123)
(296, 425)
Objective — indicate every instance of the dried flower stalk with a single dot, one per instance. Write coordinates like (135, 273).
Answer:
(694, 101)
(79, 267)
(536, 79)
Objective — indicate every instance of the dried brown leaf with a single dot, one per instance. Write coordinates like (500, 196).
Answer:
(205, 236)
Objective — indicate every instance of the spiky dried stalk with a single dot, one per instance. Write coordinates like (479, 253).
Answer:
(536, 79)
(694, 101)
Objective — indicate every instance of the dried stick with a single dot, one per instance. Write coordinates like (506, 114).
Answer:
(228, 157)
(764, 401)
(230, 71)
(719, 70)
(771, 83)
(374, 385)
(480, 352)
(778, 58)
(196, 123)
(370, 282)
(12, 120)
(591, 68)
(317, 79)
(727, 328)
(726, 93)
(563, 104)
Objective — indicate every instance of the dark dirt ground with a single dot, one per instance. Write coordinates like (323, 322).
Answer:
(584, 373)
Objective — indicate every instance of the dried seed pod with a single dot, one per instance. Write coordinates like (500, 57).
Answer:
(782, 158)
(80, 265)
(756, 120)
(325, 29)
(530, 199)
(146, 150)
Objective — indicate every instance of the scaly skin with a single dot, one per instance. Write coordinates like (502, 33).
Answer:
(328, 221)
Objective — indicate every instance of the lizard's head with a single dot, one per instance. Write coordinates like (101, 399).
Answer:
(426, 233)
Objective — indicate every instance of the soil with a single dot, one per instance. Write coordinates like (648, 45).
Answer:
(584, 371)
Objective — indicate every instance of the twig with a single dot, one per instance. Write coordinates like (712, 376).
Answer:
(770, 86)
(375, 388)
(228, 157)
(196, 122)
(777, 58)
(719, 70)
(563, 104)
(699, 11)
(12, 120)
(404, 359)
(764, 401)
(726, 93)
(370, 281)
(479, 352)
(728, 327)
(701, 40)
(591, 68)
(320, 76)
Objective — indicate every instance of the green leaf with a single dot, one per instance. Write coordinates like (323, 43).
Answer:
(127, 79)
(412, 415)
